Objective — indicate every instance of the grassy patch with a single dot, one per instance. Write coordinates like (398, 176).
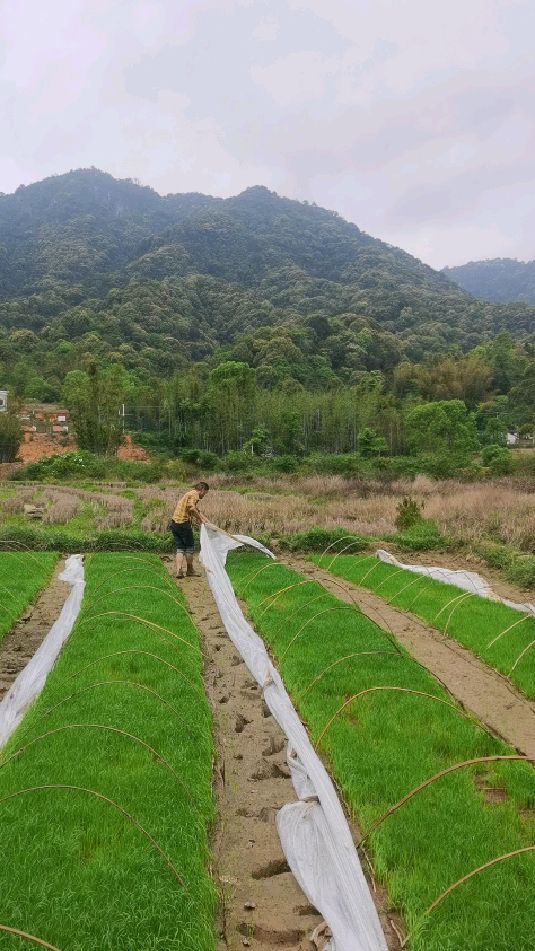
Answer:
(383, 745)
(21, 577)
(74, 870)
(473, 621)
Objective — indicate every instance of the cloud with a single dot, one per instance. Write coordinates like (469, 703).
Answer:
(414, 119)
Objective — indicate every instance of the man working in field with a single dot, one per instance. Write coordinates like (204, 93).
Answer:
(182, 528)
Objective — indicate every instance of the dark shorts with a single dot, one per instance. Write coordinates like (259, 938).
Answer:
(183, 536)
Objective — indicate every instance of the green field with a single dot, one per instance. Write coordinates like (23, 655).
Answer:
(76, 871)
(473, 621)
(386, 743)
(22, 575)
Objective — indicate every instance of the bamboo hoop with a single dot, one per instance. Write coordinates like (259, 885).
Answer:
(298, 610)
(161, 660)
(361, 693)
(337, 542)
(520, 656)
(24, 936)
(143, 587)
(453, 610)
(123, 571)
(251, 578)
(510, 628)
(340, 660)
(151, 624)
(114, 683)
(281, 591)
(476, 871)
(110, 729)
(111, 802)
(444, 772)
(409, 585)
(335, 607)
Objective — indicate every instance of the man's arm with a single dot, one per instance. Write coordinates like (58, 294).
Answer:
(194, 512)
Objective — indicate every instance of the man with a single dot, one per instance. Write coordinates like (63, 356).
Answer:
(181, 527)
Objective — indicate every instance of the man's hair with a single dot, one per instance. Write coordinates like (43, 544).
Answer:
(201, 485)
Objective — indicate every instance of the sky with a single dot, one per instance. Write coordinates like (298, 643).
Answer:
(413, 118)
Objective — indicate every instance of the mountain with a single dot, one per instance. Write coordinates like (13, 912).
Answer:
(502, 280)
(95, 267)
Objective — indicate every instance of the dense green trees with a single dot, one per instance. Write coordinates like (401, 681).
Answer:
(95, 399)
(10, 437)
(500, 279)
(253, 324)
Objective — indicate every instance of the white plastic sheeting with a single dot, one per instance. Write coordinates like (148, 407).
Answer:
(31, 680)
(466, 580)
(314, 832)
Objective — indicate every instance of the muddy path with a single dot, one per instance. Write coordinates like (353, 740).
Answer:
(21, 642)
(262, 905)
(491, 697)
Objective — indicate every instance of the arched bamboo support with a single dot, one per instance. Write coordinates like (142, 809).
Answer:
(111, 802)
(433, 779)
(151, 624)
(356, 696)
(340, 660)
(108, 729)
(161, 660)
(334, 607)
(24, 936)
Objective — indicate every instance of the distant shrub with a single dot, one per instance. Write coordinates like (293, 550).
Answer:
(423, 535)
(284, 464)
(497, 458)
(318, 539)
(84, 465)
(330, 464)
(521, 571)
(35, 539)
(409, 512)
(201, 459)
(495, 555)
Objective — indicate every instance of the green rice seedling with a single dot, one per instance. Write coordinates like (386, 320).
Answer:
(21, 579)
(390, 740)
(77, 871)
(498, 634)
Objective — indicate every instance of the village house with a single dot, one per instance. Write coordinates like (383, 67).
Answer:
(3, 401)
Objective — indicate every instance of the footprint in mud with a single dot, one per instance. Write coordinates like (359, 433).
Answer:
(241, 723)
(274, 745)
(275, 867)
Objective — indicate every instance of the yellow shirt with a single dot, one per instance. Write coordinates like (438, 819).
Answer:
(186, 507)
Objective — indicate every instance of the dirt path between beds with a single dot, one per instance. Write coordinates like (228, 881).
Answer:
(263, 907)
(493, 699)
(21, 642)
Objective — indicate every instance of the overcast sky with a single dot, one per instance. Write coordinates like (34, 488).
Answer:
(413, 118)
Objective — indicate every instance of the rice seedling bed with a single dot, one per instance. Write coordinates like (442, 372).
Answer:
(384, 744)
(76, 871)
(22, 576)
(494, 632)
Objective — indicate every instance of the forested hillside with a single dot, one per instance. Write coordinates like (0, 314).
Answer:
(251, 318)
(502, 279)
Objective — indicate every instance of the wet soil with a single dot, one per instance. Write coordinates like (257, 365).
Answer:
(20, 643)
(483, 691)
(262, 905)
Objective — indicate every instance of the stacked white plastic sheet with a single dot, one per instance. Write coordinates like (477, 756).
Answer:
(29, 683)
(314, 832)
(466, 580)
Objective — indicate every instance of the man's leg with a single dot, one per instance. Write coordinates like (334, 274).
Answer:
(189, 560)
(180, 563)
